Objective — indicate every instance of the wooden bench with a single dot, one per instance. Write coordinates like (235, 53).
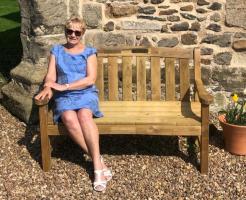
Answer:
(150, 91)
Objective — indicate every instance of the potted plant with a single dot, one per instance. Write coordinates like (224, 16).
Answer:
(233, 122)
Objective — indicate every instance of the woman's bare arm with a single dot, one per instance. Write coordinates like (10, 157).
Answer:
(50, 78)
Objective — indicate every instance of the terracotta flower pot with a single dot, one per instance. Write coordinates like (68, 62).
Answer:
(234, 136)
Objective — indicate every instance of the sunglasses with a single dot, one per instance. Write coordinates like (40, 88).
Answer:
(70, 32)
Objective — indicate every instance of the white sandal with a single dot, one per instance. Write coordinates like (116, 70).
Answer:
(99, 182)
(106, 171)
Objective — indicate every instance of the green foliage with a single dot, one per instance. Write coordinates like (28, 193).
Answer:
(10, 43)
(235, 112)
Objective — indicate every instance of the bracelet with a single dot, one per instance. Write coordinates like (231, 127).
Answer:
(67, 86)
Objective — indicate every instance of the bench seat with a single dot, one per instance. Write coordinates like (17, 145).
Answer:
(146, 117)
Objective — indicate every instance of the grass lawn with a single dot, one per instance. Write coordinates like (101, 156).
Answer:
(10, 43)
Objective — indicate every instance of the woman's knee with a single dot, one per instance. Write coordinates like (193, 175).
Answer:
(85, 116)
(69, 118)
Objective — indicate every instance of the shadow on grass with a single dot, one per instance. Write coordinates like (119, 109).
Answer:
(11, 50)
(15, 16)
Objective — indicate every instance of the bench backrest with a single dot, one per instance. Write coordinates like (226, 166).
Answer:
(147, 74)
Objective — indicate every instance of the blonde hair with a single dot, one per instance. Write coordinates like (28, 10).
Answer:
(76, 20)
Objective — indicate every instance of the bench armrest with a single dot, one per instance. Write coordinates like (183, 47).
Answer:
(204, 96)
(41, 102)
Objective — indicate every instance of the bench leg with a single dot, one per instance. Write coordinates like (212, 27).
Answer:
(46, 153)
(204, 139)
(45, 140)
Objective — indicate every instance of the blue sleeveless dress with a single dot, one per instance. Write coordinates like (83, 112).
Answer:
(70, 68)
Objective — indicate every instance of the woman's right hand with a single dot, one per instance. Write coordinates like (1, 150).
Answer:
(46, 92)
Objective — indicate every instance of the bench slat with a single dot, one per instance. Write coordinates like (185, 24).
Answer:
(155, 113)
(155, 78)
(172, 52)
(127, 78)
(143, 104)
(184, 80)
(141, 78)
(113, 78)
(174, 121)
(100, 78)
(170, 79)
(148, 129)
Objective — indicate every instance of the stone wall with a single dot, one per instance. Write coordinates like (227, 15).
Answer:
(218, 27)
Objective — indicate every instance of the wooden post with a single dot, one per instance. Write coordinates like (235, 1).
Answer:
(45, 141)
(197, 60)
(204, 139)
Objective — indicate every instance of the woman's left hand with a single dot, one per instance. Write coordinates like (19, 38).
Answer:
(57, 86)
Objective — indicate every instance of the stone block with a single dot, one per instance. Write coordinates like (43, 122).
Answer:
(239, 45)
(188, 16)
(187, 8)
(206, 51)
(202, 3)
(29, 74)
(165, 29)
(214, 27)
(168, 42)
(109, 26)
(137, 25)
(48, 13)
(102, 39)
(92, 14)
(173, 18)
(201, 10)
(189, 39)
(147, 10)
(117, 9)
(168, 12)
(40, 47)
(230, 78)
(151, 17)
(195, 26)
(223, 58)
(183, 26)
(215, 6)
(215, 17)
(220, 40)
(201, 18)
(240, 35)
(156, 1)
(19, 103)
(236, 13)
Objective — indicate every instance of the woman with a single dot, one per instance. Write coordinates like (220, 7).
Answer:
(72, 74)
